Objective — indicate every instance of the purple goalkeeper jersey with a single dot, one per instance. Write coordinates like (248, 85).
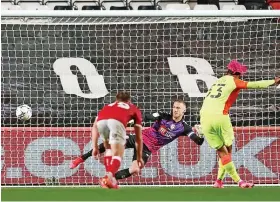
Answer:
(164, 131)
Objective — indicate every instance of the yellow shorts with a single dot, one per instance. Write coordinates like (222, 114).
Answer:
(217, 130)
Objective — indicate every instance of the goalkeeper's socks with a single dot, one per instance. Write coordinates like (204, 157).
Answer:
(122, 174)
(86, 155)
(221, 171)
(107, 162)
(101, 148)
(115, 164)
(230, 168)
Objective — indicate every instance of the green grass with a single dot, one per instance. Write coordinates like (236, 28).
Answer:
(142, 194)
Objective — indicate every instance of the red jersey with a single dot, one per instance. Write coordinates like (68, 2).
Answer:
(121, 111)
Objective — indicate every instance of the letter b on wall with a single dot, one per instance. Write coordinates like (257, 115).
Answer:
(188, 81)
(70, 83)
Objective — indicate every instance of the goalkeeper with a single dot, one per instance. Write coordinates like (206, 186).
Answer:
(215, 120)
(165, 129)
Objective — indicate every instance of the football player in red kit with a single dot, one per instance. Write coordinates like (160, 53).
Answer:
(110, 123)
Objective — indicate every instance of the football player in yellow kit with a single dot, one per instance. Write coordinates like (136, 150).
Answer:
(215, 120)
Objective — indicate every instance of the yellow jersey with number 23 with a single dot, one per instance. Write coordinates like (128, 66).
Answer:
(224, 92)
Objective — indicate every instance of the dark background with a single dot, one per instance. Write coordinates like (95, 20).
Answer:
(133, 57)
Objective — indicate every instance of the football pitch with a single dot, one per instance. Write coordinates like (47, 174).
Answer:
(141, 194)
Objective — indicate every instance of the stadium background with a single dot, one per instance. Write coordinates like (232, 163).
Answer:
(131, 57)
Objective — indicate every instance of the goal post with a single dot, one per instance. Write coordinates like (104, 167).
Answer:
(143, 13)
(67, 65)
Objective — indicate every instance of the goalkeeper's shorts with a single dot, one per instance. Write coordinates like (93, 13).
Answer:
(217, 130)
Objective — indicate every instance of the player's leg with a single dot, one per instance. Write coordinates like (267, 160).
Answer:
(85, 156)
(134, 168)
(241, 183)
(125, 173)
(77, 161)
(221, 170)
(208, 124)
(227, 163)
(106, 182)
(104, 132)
(101, 149)
(116, 153)
(208, 129)
(117, 141)
(107, 155)
(225, 152)
(221, 175)
(224, 130)
(229, 167)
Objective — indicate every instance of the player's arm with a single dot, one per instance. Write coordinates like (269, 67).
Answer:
(193, 134)
(157, 116)
(138, 139)
(256, 84)
(95, 136)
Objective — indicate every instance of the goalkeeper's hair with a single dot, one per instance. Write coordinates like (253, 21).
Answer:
(123, 96)
(180, 101)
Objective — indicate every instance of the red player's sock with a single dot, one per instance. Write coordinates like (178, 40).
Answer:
(107, 163)
(115, 164)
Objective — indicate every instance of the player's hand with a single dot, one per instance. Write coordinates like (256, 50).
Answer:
(95, 152)
(140, 163)
(198, 130)
(277, 81)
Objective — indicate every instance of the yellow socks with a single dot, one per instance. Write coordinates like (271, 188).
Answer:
(230, 168)
(221, 171)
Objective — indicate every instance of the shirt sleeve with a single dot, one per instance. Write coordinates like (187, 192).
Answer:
(192, 135)
(188, 131)
(260, 84)
(253, 84)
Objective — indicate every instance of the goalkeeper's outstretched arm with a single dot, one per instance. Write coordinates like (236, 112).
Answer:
(198, 140)
(194, 133)
(197, 137)
(157, 116)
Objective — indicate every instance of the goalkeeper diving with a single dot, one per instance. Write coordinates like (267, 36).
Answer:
(215, 121)
(166, 128)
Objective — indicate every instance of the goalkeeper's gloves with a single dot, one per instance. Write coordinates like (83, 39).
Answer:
(156, 115)
(198, 130)
(131, 122)
(153, 117)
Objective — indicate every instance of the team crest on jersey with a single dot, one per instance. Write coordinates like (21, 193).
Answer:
(163, 131)
(172, 127)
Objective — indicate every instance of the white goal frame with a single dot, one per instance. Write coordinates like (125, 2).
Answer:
(136, 13)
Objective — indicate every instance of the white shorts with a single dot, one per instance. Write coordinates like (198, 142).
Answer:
(113, 130)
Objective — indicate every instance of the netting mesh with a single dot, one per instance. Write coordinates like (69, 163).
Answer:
(40, 68)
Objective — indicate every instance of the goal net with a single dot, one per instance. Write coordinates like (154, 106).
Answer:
(67, 68)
